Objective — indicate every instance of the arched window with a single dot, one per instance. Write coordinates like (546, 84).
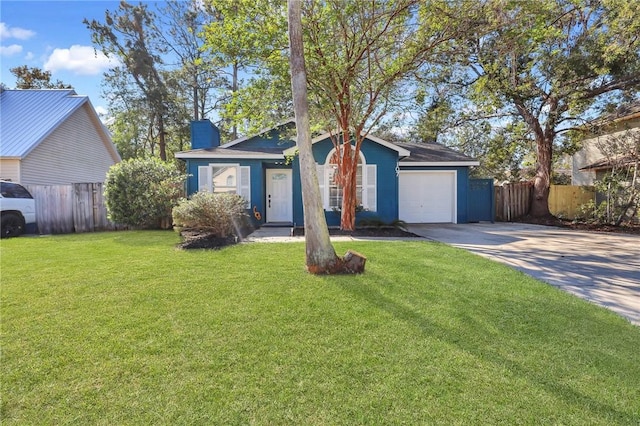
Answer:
(332, 191)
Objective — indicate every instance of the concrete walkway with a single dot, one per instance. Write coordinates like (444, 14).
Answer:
(601, 267)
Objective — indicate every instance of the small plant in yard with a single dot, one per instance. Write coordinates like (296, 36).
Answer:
(142, 192)
(221, 218)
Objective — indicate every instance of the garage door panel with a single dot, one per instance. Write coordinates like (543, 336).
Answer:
(427, 197)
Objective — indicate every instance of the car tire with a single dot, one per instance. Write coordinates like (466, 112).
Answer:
(12, 225)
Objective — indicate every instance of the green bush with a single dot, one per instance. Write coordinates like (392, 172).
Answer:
(142, 192)
(220, 214)
(377, 223)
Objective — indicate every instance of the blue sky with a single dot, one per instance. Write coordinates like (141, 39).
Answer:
(50, 35)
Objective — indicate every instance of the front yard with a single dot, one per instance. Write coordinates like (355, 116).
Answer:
(122, 328)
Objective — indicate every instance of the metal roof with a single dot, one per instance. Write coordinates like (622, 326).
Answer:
(27, 117)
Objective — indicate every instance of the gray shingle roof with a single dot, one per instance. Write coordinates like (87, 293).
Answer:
(28, 116)
(431, 153)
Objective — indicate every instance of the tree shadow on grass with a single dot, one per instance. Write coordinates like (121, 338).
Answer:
(499, 335)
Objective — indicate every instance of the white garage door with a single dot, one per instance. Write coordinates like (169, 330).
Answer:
(427, 196)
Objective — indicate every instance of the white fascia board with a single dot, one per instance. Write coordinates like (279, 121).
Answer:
(439, 163)
(187, 155)
(401, 151)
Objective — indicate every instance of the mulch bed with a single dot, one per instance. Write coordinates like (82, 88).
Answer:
(204, 240)
(630, 228)
(365, 232)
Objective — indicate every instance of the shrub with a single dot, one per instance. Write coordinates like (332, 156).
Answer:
(377, 223)
(142, 192)
(220, 214)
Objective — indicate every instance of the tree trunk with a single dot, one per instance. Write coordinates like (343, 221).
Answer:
(234, 90)
(196, 109)
(349, 197)
(162, 142)
(321, 258)
(542, 180)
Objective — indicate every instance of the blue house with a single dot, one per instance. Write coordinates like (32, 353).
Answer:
(417, 183)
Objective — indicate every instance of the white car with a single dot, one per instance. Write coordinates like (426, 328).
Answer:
(18, 209)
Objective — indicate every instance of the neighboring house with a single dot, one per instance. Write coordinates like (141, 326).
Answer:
(52, 137)
(417, 183)
(591, 163)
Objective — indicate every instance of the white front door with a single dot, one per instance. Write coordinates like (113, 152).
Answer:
(279, 196)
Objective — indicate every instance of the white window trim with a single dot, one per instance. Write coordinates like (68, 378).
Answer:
(368, 187)
(243, 179)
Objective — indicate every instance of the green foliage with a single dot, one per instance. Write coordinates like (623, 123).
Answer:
(619, 187)
(36, 78)
(621, 199)
(142, 192)
(378, 223)
(221, 214)
(249, 38)
(546, 64)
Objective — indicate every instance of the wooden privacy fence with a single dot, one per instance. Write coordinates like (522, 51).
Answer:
(63, 209)
(513, 200)
(565, 200)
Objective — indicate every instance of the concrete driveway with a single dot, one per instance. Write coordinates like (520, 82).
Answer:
(601, 267)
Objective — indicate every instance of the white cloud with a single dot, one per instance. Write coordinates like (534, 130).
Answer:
(29, 56)
(102, 111)
(83, 60)
(10, 50)
(15, 32)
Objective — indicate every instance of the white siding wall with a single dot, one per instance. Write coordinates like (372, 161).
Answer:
(10, 170)
(73, 153)
(590, 152)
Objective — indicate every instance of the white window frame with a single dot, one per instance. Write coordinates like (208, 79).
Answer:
(242, 179)
(367, 189)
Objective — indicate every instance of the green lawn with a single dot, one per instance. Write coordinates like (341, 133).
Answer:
(122, 328)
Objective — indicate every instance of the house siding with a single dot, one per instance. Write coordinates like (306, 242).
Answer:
(73, 153)
(10, 170)
(257, 179)
(386, 189)
(384, 158)
(590, 151)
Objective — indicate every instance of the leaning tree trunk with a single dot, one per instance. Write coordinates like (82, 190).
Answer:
(542, 180)
(321, 258)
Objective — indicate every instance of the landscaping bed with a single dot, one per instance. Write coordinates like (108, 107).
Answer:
(366, 232)
(628, 228)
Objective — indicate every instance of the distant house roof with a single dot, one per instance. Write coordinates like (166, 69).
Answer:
(607, 163)
(27, 117)
(624, 112)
